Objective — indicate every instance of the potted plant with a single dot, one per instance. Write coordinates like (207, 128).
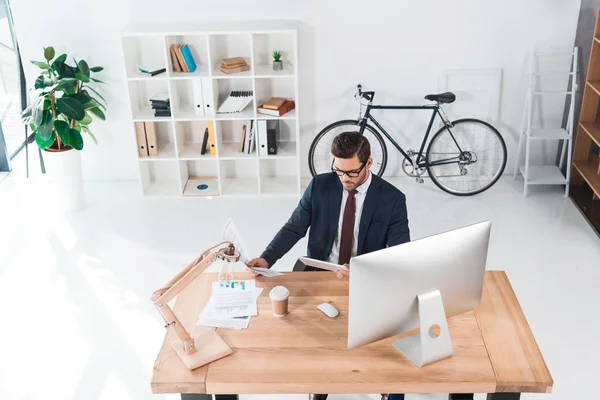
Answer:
(61, 109)
(277, 63)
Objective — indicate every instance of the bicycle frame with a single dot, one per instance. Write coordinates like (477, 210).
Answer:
(435, 108)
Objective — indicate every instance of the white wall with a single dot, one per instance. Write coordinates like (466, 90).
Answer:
(396, 48)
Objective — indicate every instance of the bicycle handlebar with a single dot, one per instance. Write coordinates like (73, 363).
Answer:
(365, 95)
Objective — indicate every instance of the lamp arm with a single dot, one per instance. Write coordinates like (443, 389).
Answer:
(162, 296)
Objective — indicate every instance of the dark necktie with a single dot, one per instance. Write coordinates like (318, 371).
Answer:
(347, 229)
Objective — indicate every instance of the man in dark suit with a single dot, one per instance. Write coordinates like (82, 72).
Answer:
(349, 211)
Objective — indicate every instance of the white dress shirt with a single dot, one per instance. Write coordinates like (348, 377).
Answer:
(360, 201)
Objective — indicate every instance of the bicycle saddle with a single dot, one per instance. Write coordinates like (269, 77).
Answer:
(446, 98)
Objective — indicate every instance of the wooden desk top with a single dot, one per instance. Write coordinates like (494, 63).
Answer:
(305, 352)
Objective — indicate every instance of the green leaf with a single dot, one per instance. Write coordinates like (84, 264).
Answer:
(63, 70)
(82, 97)
(84, 68)
(44, 143)
(27, 112)
(46, 129)
(98, 113)
(40, 82)
(41, 64)
(49, 53)
(96, 69)
(62, 58)
(97, 80)
(82, 77)
(75, 140)
(71, 108)
(95, 91)
(70, 91)
(66, 82)
(91, 104)
(63, 130)
(38, 111)
(86, 120)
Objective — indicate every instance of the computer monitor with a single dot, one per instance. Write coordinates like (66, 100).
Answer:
(417, 285)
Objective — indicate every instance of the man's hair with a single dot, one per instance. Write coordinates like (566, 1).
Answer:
(350, 144)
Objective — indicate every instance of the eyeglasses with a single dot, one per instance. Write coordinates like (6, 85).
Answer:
(351, 174)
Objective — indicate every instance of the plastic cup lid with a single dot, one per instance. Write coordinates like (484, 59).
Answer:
(279, 293)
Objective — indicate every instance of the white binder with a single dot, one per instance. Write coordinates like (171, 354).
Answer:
(198, 97)
(209, 95)
(263, 149)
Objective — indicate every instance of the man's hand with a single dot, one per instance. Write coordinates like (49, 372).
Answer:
(344, 274)
(256, 262)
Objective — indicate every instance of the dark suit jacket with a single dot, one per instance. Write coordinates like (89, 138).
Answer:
(383, 222)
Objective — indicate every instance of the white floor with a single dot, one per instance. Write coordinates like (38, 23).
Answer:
(77, 322)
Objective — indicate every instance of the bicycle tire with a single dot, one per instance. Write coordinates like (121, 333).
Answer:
(495, 178)
(354, 126)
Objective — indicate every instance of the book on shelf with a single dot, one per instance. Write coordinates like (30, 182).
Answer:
(182, 58)
(234, 65)
(243, 138)
(161, 105)
(274, 103)
(151, 71)
(287, 106)
(204, 142)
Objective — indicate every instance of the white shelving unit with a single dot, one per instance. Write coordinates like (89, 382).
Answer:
(180, 169)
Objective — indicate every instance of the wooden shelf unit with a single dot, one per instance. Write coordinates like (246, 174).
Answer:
(585, 177)
(179, 169)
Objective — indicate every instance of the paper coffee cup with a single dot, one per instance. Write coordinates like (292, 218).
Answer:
(279, 300)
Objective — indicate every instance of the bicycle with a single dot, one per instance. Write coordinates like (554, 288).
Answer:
(464, 157)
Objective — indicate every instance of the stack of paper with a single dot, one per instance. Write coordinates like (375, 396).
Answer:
(231, 305)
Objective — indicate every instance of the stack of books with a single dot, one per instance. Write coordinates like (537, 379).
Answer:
(161, 106)
(234, 65)
(151, 71)
(276, 106)
(181, 58)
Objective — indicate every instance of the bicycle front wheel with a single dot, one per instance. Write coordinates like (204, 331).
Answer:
(474, 169)
(320, 157)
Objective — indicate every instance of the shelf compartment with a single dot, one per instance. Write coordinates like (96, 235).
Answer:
(229, 137)
(223, 89)
(190, 136)
(279, 176)
(286, 139)
(200, 172)
(545, 175)
(164, 139)
(239, 177)
(159, 178)
(590, 172)
(265, 44)
(144, 52)
(140, 93)
(227, 46)
(593, 131)
(193, 99)
(198, 45)
(267, 88)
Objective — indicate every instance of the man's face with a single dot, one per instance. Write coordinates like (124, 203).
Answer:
(352, 166)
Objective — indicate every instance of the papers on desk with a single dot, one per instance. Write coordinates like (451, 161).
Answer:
(231, 305)
(269, 273)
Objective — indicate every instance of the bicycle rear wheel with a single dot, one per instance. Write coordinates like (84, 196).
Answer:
(320, 157)
(477, 167)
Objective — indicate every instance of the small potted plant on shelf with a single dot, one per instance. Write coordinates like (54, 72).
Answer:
(62, 107)
(277, 63)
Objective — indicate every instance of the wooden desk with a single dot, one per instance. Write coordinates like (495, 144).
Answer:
(305, 352)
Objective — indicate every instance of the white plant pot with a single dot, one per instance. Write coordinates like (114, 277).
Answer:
(63, 170)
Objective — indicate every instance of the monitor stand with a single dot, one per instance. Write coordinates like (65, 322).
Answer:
(424, 348)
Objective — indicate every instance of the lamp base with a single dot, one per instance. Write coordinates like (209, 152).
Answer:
(209, 347)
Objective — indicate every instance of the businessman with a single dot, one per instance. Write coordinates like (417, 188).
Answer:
(349, 212)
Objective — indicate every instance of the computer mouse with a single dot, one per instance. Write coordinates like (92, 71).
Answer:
(328, 310)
